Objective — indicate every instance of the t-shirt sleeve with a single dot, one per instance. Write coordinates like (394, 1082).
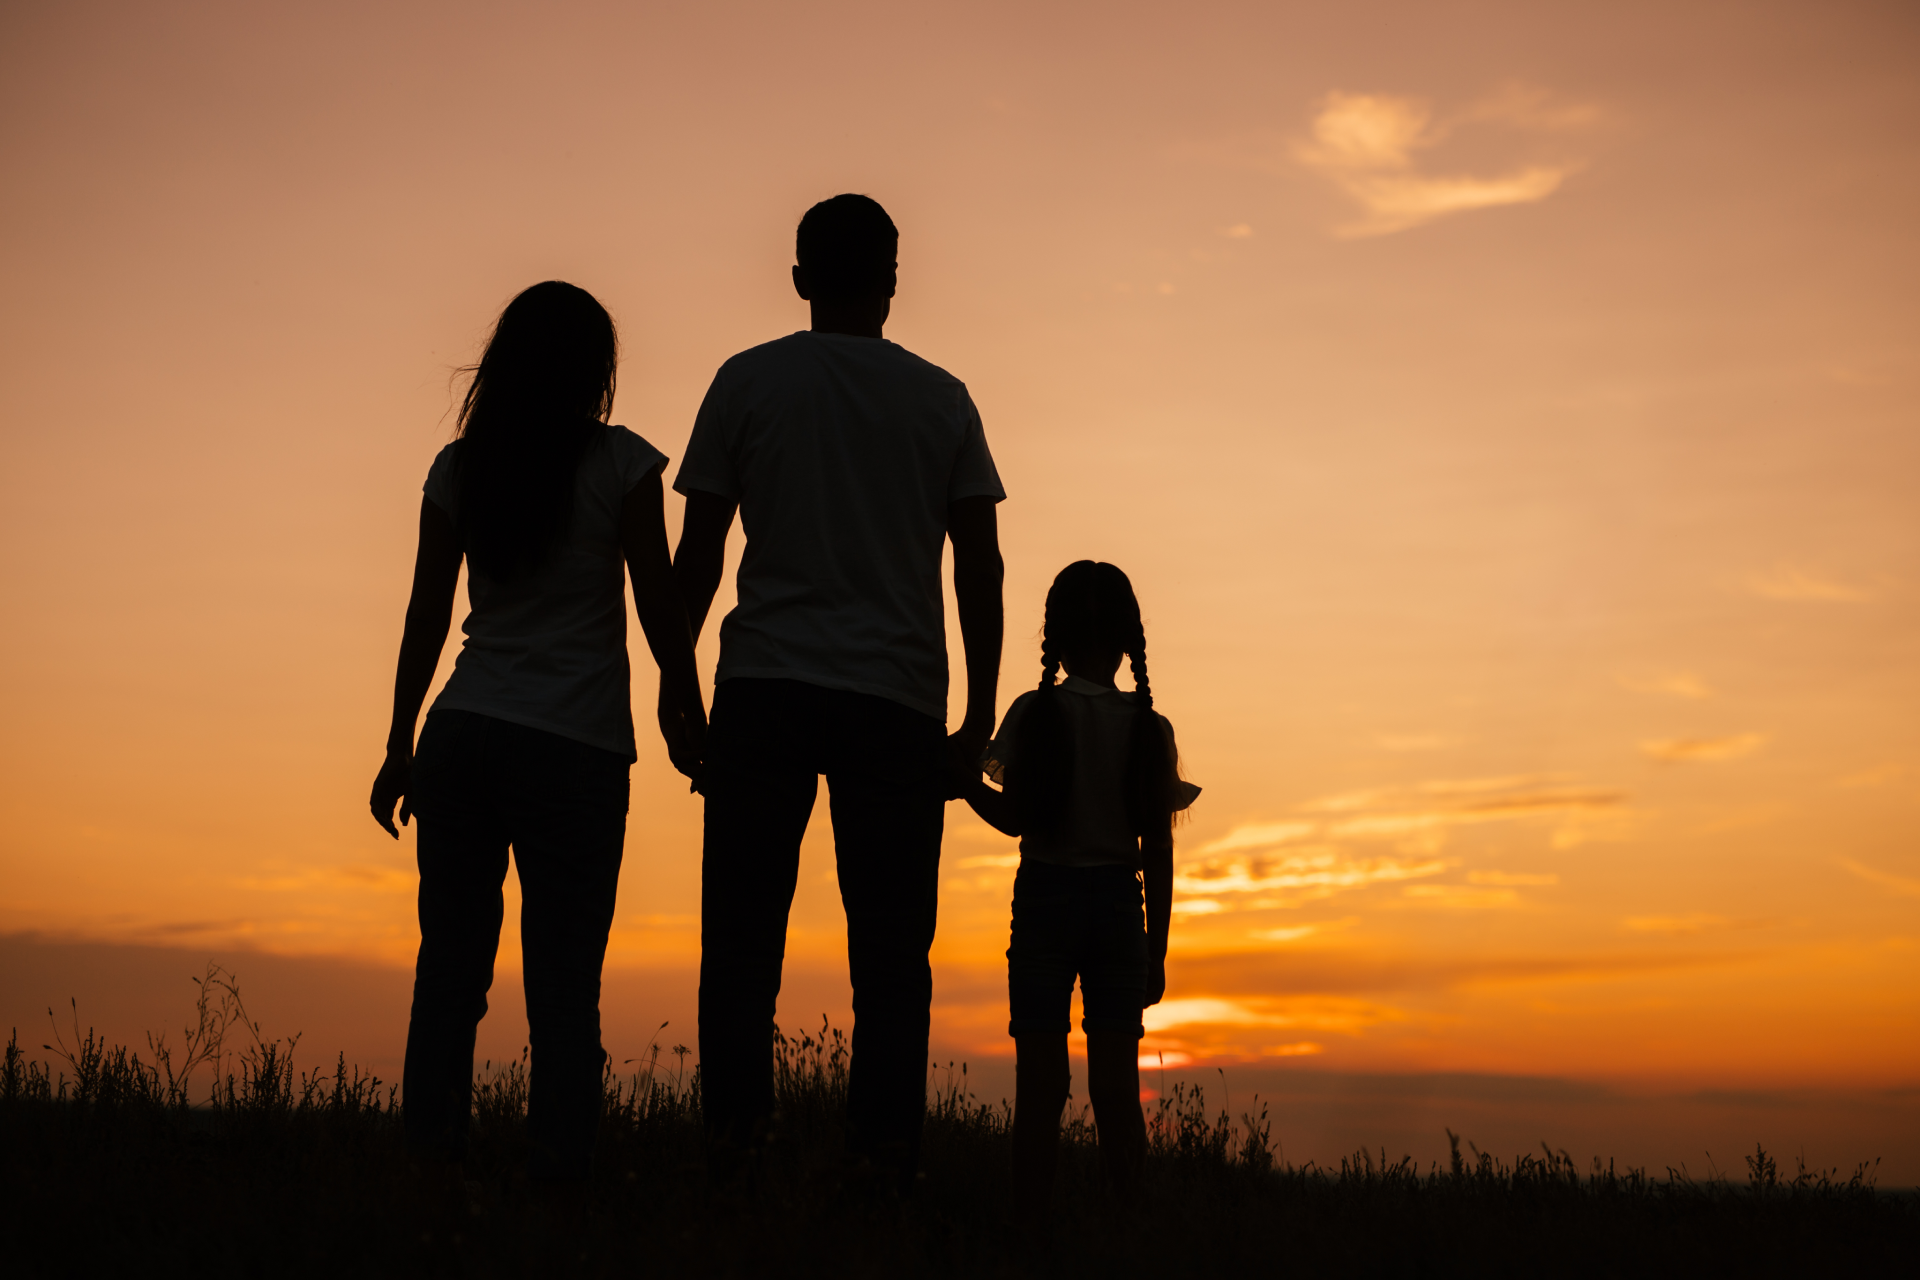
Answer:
(974, 475)
(1184, 793)
(634, 459)
(708, 465)
(439, 486)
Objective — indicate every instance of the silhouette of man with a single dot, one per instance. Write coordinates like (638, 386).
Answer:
(851, 461)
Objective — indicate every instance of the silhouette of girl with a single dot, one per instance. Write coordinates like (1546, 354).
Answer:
(530, 741)
(1090, 784)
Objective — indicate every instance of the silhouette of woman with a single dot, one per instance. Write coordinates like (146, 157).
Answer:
(530, 741)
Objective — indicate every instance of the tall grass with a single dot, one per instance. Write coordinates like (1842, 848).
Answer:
(224, 1157)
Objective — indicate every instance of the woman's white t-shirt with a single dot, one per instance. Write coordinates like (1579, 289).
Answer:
(549, 650)
(1096, 831)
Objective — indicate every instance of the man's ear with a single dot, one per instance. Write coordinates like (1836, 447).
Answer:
(800, 283)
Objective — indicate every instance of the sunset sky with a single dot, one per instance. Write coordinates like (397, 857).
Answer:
(1506, 413)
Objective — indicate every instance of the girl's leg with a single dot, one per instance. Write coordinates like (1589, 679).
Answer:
(1113, 1084)
(1041, 1082)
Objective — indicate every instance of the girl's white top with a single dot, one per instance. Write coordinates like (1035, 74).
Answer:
(1096, 831)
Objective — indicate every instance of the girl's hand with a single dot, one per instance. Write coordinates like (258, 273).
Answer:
(391, 785)
(1156, 971)
(685, 730)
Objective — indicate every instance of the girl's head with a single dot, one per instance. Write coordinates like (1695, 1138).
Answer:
(1093, 619)
(543, 383)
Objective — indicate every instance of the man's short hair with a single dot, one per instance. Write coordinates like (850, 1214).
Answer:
(846, 246)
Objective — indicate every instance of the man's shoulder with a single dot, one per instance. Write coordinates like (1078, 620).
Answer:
(779, 352)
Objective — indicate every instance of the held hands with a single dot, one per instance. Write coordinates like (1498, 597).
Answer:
(964, 749)
(393, 784)
(683, 724)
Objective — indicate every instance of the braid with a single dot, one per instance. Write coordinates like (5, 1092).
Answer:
(1049, 669)
(1137, 660)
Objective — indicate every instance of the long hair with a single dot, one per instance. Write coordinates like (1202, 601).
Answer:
(542, 388)
(1091, 609)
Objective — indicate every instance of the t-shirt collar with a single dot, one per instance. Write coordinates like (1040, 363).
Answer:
(1080, 685)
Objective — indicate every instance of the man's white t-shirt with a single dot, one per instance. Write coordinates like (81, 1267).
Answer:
(843, 454)
(549, 649)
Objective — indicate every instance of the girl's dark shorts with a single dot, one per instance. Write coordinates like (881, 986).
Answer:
(1084, 922)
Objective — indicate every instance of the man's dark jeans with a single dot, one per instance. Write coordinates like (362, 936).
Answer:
(479, 785)
(770, 741)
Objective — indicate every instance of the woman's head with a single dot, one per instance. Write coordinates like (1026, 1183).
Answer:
(545, 379)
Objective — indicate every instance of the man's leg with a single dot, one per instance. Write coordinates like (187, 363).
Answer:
(760, 785)
(569, 822)
(463, 862)
(888, 813)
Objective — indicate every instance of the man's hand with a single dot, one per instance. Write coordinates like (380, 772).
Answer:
(685, 730)
(391, 785)
(1156, 969)
(965, 747)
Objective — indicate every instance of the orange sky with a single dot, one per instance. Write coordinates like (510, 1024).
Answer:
(1506, 412)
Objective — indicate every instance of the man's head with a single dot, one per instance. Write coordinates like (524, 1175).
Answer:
(845, 251)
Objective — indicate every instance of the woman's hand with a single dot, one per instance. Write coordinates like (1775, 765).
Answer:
(391, 785)
(684, 727)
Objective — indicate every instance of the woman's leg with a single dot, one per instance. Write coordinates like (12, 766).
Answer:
(1113, 1084)
(569, 817)
(463, 862)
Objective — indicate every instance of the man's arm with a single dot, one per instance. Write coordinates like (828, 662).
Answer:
(702, 555)
(974, 527)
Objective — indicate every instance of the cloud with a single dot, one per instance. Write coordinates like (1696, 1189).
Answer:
(1703, 749)
(1678, 684)
(1276, 858)
(1902, 885)
(357, 877)
(1462, 896)
(1321, 871)
(1297, 1048)
(1365, 144)
(1413, 742)
(1294, 933)
(1786, 582)
(1692, 923)
(1873, 777)
(1239, 231)
(1512, 878)
(1325, 1013)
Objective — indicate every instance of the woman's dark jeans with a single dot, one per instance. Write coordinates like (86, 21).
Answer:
(480, 785)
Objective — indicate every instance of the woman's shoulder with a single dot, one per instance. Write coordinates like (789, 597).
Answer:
(628, 455)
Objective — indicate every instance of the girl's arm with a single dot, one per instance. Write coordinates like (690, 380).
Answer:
(436, 572)
(996, 808)
(1156, 856)
(663, 617)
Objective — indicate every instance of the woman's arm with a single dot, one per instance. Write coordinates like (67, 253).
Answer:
(994, 807)
(436, 572)
(1156, 856)
(663, 617)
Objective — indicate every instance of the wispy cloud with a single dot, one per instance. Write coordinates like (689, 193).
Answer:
(1294, 933)
(1729, 748)
(1324, 1013)
(1413, 742)
(1512, 878)
(1788, 582)
(1676, 684)
(1461, 896)
(1873, 777)
(1366, 145)
(1902, 885)
(1691, 923)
